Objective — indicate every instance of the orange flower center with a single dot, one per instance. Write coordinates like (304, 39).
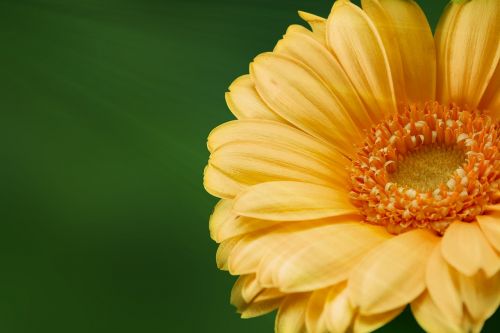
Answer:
(426, 167)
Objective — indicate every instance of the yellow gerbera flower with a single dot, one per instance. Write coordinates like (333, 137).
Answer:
(363, 172)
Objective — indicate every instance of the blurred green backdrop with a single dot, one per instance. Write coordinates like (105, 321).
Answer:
(105, 109)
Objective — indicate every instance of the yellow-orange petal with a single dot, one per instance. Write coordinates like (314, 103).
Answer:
(370, 323)
(467, 250)
(490, 226)
(244, 290)
(354, 40)
(279, 136)
(315, 314)
(299, 95)
(220, 185)
(338, 309)
(299, 44)
(491, 98)
(224, 251)
(292, 201)
(481, 295)
(387, 32)
(431, 319)
(245, 103)
(221, 214)
(291, 314)
(406, 23)
(250, 163)
(469, 49)
(261, 308)
(442, 284)
(393, 274)
(225, 224)
(244, 256)
(317, 24)
(328, 257)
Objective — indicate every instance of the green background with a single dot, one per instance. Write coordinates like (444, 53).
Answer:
(105, 109)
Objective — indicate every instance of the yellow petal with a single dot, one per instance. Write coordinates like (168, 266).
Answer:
(251, 300)
(225, 224)
(280, 136)
(481, 295)
(242, 225)
(442, 37)
(387, 32)
(409, 43)
(221, 214)
(245, 256)
(442, 285)
(370, 323)
(466, 248)
(468, 46)
(292, 201)
(245, 103)
(491, 98)
(244, 290)
(392, 274)
(220, 185)
(299, 44)
(338, 309)
(257, 309)
(299, 95)
(327, 257)
(490, 226)
(431, 319)
(355, 42)
(224, 251)
(251, 163)
(317, 24)
(315, 315)
(291, 314)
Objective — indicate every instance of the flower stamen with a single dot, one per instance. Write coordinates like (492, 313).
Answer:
(426, 167)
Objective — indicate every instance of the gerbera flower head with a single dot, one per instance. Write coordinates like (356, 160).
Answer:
(362, 173)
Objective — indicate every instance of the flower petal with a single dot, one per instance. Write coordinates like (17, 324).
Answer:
(225, 224)
(244, 256)
(481, 295)
(221, 214)
(299, 44)
(329, 258)
(224, 251)
(392, 274)
(370, 323)
(409, 45)
(338, 309)
(476, 255)
(244, 290)
(317, 24)
(490, 226)
(271, 133)
(261, 308)
(468, 50)
(245, 103)
(291, 314)
(430, 317)
(442, 285)
(292, 201)
(299, 95)
(354, 40)
(220, 185)
(315, 314)
(387, 32)
(491, 98)
(251, 163)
